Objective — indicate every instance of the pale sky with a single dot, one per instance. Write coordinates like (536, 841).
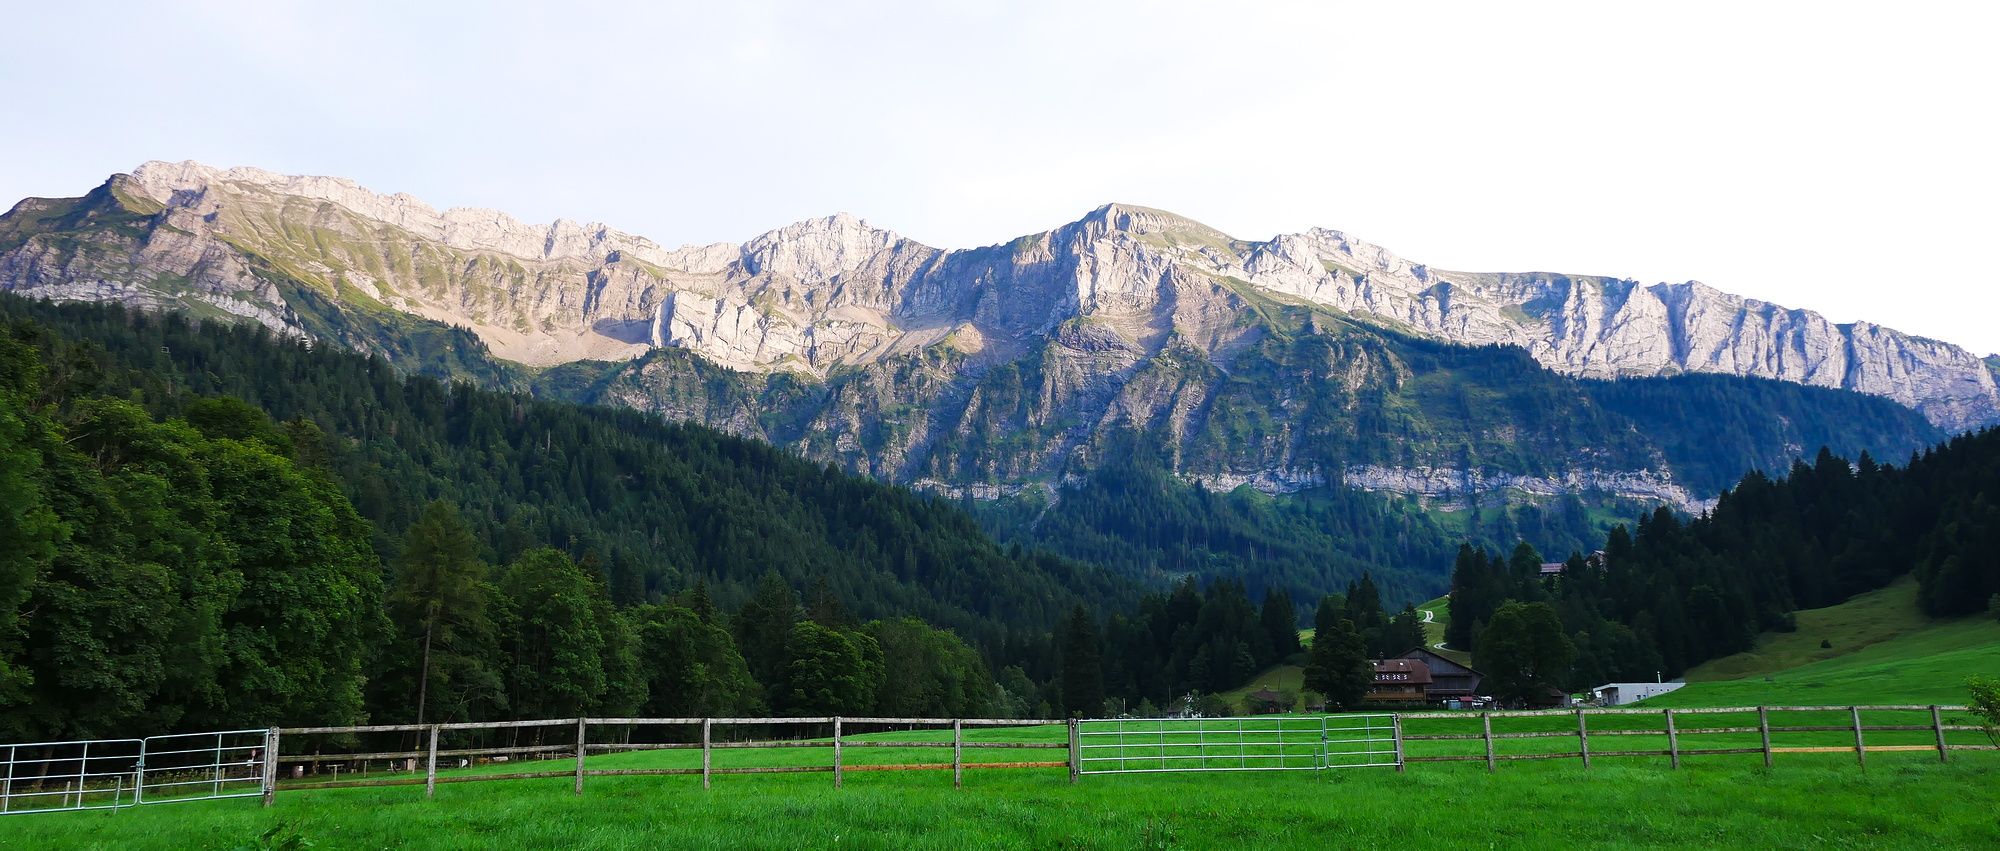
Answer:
(1836, 157)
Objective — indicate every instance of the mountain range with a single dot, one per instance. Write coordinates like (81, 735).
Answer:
(1306, 361)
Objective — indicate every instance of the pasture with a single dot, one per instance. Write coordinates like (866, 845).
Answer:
(1805, 801)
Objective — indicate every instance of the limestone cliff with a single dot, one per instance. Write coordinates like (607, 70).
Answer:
(1129, 318)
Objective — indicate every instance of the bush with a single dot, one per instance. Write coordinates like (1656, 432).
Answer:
(1986, 704)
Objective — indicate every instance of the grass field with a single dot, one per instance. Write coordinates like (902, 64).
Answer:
(1901, 800)
(1883, 651)
(1819, 800)
(1865, 620)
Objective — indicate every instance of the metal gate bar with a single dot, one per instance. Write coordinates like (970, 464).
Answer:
(1257, 743)
(69, 776)
(229, 763)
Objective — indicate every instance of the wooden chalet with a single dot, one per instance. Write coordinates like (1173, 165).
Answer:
(1449, 680)
(1399, 681)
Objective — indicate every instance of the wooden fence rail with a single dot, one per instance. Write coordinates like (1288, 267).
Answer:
(1673, 731)
(580, 747)
(1673, 728)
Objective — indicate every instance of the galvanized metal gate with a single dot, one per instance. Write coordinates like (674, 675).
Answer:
(1258, 743)
(103, 774)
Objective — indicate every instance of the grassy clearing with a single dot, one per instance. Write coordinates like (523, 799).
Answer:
(1802, 803)
(1865, 620)
(1290, 678)
(1927, 666)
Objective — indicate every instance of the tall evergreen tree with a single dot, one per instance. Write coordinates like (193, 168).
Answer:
(1281, 623)
(1338, 666)
(439, 599)
(763, 629)
(1082, 671)
(1524, 651)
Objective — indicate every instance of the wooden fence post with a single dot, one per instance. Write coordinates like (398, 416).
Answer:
(836, 751)
(431, 764)
(1075, 752)
(1937, 723)
(1583, 737)
(1397, 721)
(270, 765)
(1764, 732)
(1860, 748)
(1673, 741)
(582, 736)
(1486, 721)
(957, 753)
(705, 725)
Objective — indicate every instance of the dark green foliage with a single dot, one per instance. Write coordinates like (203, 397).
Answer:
(1338, 666)
(552, 646)
(1714, 428)
(690, 665)
(831, 672)
(1082, 666)
(1281, 623)
(157, 577)
(1135, 518)
(442, 607)
(664, 506)
(763, 628)
(1674, 593)
(1404, 633)
(929, 673)
(1523, 652)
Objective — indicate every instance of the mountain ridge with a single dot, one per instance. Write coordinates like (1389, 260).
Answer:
(739, 304)
(1304, 361)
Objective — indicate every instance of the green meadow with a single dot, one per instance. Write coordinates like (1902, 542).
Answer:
(1900, 799)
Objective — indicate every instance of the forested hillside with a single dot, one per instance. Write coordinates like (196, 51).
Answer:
(660, 505)
(143, 500)
(1673, 593)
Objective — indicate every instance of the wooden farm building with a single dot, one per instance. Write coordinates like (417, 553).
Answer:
(1399, 681)
(1449, 680)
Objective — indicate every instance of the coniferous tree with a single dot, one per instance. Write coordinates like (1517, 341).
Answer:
(439, 600)
(1337, 666)
(1524, 651)
(763, 629)
(1281, 623)
(1082, 674)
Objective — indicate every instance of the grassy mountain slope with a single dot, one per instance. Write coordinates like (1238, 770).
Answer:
(1862, 621)
(1884, 651)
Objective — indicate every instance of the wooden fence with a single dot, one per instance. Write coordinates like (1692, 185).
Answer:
(580, 747)
(1674, 727)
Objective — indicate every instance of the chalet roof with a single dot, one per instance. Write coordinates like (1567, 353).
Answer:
(1438, 664)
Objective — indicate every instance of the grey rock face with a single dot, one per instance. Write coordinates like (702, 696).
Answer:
(1097, 298)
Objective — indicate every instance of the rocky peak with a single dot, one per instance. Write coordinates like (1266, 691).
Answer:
(838, 290)
(189, 183)
(821, 249)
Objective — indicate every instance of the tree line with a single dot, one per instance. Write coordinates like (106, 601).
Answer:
(658, 506)
(1669, 593)
(205, 571)
(1180, 648)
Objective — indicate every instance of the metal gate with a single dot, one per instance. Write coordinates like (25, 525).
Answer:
(103, 774)
(1259, 743)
